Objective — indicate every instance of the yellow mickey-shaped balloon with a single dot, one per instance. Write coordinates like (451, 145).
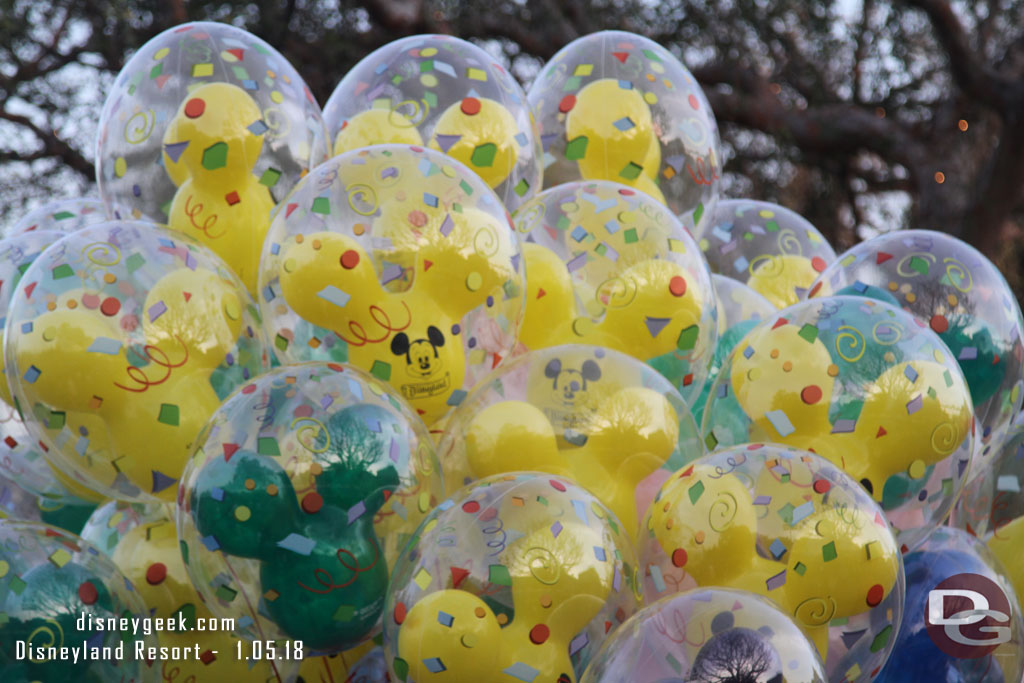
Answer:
(406, 336)
(559, 568)
(903, 417)
(480, 133)
(658, 312)
(217, 137)
(610, 132)
(376, 127)
(140, 408)
(780, 523)
(630, 434)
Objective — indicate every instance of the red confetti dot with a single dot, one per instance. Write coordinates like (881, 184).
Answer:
(567, 103)
(194, 108)
(207, 657)
(539, 634)
(470, 106)
(818, 263)
(471, 507)
(694, 102)
(312, 502)
(557, 485)
(350, 259)
(156, 573)
(248, 388)
(677, 286)
(90, 301)
(87, 593)
(814, 290)
(822, 486)
(110, 306)
(488, 514)
(811, 394)
(875, 594)
(679, 557)
(399, 614)
(939, 323)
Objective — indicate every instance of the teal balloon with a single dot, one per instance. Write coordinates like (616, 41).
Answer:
(322, 563)
(66, 516)
(49, 602)
(972, 345)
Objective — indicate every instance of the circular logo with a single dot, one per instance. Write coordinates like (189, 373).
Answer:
(967, 616)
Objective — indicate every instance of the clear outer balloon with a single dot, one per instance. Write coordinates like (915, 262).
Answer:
(739, 309)
(121, 341)
(148, 554)
(916, 658)
(69, 215)
(617, 106)
(519, 574)
(774, 251)
(110, 522)
(18, 504)
(206, 128)
(707, 636)
(609, 266)
(992, 498)
(597, 416)
(304, 488)
(963, 297)
(21, 455)
(447, 94)
(50, 579)
(992, 507)
(790, 526)
(402, 262)
(863, 384)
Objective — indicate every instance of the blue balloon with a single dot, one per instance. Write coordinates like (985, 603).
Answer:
(915, 658)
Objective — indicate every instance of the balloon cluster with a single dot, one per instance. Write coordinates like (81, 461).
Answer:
(455, 382)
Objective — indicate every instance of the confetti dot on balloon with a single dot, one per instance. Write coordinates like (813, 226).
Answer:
(195, 107)
(677, 286)
(399, 613)
(471, 507)
(110, 306)
(470, 106)
(312, 503)
(939, 323)
(679, 557)
(567, 103)
(811, 394)
(539, 634)
(821, 486)
(156, 573)
(87, 593)
(875, 595)
(916, 469)
(350, 259)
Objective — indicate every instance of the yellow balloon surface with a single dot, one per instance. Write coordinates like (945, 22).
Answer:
(613, 127)
(706, 522)
(376, 127)
(480, 133)
(210, 150)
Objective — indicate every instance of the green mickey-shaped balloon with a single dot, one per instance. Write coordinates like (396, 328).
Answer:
(323, 573)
